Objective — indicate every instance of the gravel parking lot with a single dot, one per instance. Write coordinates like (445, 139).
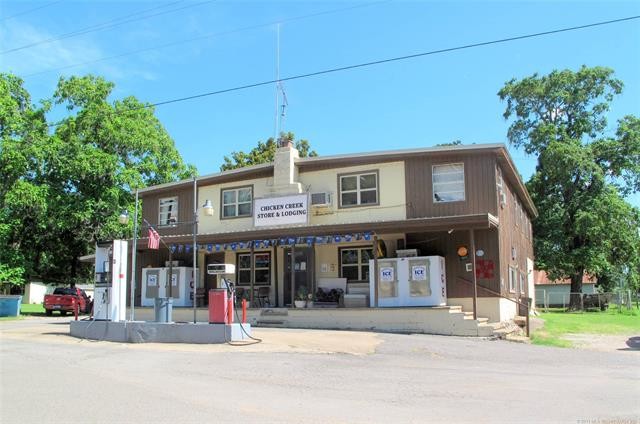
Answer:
(308, 376)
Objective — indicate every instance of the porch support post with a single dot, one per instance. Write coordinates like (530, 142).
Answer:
(293, 273)
(275, 273)
(252, 278)
(375, 271)
(472, 242)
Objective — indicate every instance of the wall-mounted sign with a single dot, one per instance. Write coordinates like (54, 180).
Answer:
(284, 210)
(387, 274)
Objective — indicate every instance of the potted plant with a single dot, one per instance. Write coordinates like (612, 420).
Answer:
(301, 297)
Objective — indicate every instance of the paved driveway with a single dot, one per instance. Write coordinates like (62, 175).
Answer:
(308, 376)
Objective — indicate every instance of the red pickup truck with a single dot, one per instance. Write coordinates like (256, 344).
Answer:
(65, 299)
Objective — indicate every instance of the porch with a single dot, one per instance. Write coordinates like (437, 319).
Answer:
(443, 320)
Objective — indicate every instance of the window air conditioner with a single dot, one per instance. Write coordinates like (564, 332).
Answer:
(321, 200)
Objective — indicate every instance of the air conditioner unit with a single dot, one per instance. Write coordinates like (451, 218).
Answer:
(221, 269)
(167, 264)
(321, 200)
(406, 253)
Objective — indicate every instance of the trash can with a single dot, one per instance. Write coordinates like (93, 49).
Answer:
(163, 308)
(10, 305)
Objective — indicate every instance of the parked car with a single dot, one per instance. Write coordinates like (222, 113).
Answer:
(65, 299)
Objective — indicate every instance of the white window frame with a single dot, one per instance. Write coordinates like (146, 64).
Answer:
(522, 282)
(434, 184)
(359, 190)
(513, 279)
(359, 264)
(167, 207)
(255, 269)
(237, 203)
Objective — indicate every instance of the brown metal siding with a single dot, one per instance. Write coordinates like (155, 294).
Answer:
(512, 235)
(150, 205)
(479, 175)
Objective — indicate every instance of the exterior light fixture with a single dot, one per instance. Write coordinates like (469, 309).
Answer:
(123, 218)
(208, 208)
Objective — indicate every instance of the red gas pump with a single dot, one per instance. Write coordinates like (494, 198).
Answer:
(220, 306)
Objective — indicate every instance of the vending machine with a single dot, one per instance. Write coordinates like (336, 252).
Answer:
(110, 294)
(411, 281)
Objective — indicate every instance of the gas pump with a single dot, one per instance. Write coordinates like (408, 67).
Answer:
(110, 302)
(221, 300)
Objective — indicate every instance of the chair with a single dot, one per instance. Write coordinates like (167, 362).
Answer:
(263, 296)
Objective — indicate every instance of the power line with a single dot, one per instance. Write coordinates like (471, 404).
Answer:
(205, 36)
(377, 62)
(31, 10)
(110, 24)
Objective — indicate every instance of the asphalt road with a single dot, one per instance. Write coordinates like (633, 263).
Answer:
(298, 376)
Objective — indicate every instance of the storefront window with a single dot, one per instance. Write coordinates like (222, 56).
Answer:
(354, 263)
(262, 269)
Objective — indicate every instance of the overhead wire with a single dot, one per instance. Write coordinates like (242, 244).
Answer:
(111, 24)
(30, 10)
(376, 62)
(208, 36)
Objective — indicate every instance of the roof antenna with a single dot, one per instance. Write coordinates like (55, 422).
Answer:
(280, 97)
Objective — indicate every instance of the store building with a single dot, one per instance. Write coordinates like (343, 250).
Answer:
(334, 214)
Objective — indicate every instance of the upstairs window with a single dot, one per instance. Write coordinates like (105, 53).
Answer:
(168, 211)
(448, 183)
(358, 189)
(236, 202)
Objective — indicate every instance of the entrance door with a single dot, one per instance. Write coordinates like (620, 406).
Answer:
(303, 266)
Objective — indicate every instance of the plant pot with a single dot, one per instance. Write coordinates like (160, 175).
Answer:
(309, 303)
(300, 303)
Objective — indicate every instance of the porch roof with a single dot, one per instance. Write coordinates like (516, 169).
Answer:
(458, 222)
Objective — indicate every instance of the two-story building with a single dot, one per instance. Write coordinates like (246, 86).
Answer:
(334, 214)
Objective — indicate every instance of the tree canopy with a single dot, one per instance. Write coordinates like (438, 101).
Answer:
(64, 184)
(264, 153)
(582, 174)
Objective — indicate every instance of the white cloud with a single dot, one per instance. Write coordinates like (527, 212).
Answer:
(80, 51)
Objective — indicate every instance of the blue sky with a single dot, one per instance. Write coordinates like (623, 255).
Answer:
(414, 103)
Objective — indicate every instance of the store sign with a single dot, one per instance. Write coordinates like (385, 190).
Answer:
(284, 210)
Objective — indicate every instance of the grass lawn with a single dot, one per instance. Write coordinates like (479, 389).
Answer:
(557, 324)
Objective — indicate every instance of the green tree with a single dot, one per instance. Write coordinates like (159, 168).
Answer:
(265, 152)
(585, 225)
(68, 184)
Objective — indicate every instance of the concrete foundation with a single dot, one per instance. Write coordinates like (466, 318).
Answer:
(155, 332)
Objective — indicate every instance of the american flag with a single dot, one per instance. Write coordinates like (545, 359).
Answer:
(154, 239)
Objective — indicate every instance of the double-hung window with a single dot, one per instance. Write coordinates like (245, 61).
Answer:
(513, 279)
(448, 182)
(168, 211)
(354, 263)
(358, 189)
(261, 268)
(236, 202)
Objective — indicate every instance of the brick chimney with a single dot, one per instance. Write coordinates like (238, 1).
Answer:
(285, 172)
